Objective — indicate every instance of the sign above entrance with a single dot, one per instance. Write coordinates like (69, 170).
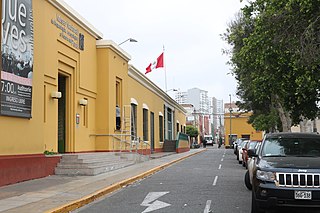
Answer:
(17, 58)
(69, 32)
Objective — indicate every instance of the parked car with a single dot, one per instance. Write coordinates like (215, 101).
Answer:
(240, 150)
(286, 172)
(250, 162)
(235, 145)
(249, 145)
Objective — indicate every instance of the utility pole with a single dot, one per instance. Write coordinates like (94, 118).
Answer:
(230, 109)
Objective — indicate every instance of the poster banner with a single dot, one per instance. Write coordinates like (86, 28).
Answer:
(17, 58)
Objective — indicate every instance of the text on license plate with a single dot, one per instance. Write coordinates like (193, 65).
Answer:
(302, 195)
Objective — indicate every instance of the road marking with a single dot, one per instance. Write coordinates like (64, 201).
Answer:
(207, 209)
(215, 181)
(221, 159)
(220, 166)
(153, 196)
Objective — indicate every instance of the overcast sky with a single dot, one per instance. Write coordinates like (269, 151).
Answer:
(189, 30)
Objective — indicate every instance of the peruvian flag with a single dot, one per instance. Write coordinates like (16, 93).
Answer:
(156, 64)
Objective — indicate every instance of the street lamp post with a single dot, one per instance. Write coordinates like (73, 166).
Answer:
(230, 109)
(174, 90)
(129, 39)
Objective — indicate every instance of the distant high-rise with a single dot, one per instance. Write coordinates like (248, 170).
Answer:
(197, 97)
(202, 107)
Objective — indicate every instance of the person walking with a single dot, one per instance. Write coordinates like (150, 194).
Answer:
(204, 142)
(220, 142)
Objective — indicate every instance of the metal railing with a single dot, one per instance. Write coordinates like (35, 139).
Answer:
(135, 143)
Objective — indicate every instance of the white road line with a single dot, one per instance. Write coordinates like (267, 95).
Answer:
(215, 181)
(220, 166)
(207, 209)
(222, 159)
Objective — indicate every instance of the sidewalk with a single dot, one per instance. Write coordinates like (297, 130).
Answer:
(65, 193)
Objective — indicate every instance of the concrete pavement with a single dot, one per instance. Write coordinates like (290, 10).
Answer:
(65, 193)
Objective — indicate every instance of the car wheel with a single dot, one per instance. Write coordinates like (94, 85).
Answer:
(254, 206)
(247, 181)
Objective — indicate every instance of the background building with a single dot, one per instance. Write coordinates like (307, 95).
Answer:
(236, 125)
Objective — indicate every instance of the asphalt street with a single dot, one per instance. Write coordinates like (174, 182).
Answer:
(211, 181)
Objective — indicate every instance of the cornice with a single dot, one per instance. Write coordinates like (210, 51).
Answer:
(112, 45)
(68, 11)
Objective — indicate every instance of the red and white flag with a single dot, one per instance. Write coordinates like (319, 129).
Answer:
(156, 64)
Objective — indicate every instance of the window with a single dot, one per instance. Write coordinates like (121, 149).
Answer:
(169, 118)
(118, 103)
(160, 128)
(164, 122)
(178, 127)
(133, 122)
(145, 125)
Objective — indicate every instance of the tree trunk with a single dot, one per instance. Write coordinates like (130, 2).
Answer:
(284, 116)
(303, 125)
(315, 125)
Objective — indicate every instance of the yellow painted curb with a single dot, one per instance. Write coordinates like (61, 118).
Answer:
(92, 197)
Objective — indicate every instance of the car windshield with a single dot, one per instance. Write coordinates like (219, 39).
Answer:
(240, 144)
(305, 147)
(252, 144)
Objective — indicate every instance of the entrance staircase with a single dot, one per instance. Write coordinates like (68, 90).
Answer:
(87, 164)
(101, 162)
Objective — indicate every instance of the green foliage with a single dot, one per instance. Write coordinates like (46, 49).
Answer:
(275, 57)
(47, 152)
(192, 131)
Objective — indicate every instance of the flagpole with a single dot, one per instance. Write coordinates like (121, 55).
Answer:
(165, 71)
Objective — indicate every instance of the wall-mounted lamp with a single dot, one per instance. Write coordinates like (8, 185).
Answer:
(83, 102)
(56, 95)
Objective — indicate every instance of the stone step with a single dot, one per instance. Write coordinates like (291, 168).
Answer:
(95, 163)
(68, 165)
(89, 155)
(91, 171)
(92, 160)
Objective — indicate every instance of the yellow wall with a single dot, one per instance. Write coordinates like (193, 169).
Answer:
(91, 74)
(59, 57)
(154, 103)
(239, 126)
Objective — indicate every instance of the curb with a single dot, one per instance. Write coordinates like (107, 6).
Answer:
(92, 197)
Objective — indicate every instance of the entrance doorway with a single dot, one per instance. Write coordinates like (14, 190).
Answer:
(62, 106)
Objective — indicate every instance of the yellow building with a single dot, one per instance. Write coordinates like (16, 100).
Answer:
(239, 127)
(61, 86)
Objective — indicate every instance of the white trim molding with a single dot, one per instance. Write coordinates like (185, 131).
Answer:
(145, 106)
(134, 101)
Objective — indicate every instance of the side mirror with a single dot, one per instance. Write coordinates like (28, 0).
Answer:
(252, 153)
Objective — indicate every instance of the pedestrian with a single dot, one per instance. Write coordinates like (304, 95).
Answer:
(220, 142)
(204, 142)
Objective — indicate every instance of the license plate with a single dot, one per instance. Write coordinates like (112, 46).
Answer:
(302, 195)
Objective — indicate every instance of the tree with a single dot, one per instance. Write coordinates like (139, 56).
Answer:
(192, 131)
(275, 59)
